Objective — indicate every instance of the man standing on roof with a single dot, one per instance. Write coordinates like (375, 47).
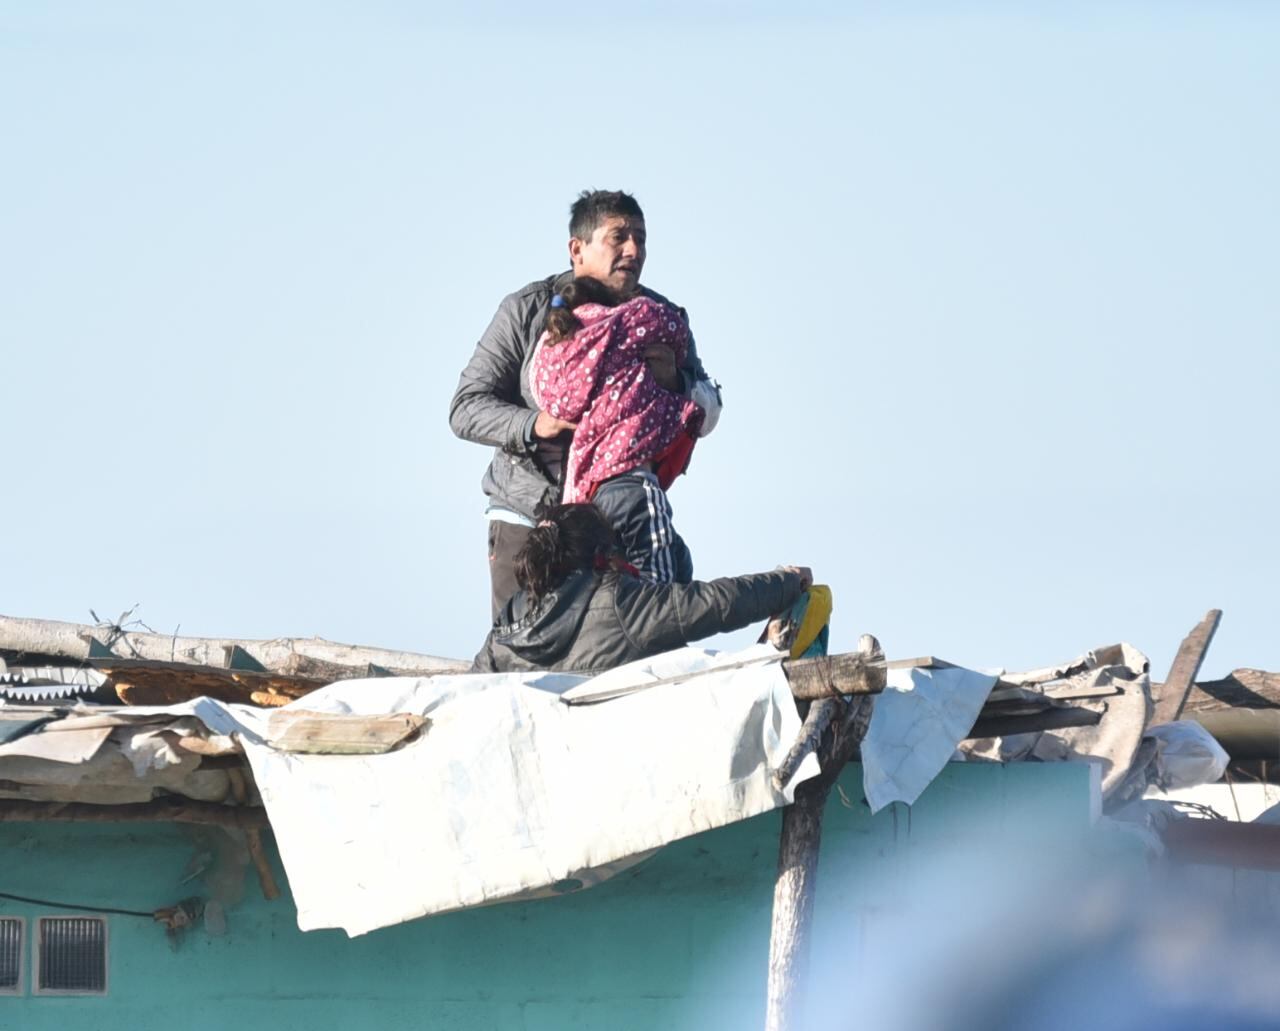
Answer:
(493, 404)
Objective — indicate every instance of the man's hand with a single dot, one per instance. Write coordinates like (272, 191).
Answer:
(547, 426)
(662, 363)
(805, 574)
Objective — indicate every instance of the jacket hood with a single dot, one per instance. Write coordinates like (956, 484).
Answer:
(542, 634)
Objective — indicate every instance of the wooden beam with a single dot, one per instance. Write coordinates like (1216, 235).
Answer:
(829, 676)
(158, 811)
(1186, 664)
(1050, 719)
(310, 657)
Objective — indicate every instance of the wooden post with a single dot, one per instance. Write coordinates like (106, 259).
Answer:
(798, 848)
(793, 894)
(833, 728)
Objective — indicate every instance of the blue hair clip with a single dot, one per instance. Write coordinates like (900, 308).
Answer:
(557, 301)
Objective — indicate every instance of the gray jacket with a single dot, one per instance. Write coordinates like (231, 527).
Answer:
(493, 406)
(596, 621)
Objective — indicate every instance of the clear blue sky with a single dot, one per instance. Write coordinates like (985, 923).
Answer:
(992, 294)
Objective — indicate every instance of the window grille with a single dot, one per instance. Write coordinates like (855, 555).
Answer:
(10, 955)
(72, 955)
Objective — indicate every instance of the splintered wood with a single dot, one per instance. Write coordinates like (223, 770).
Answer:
(137, 685)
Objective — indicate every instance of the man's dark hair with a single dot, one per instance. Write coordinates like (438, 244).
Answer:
(592, 207)
(569, 538)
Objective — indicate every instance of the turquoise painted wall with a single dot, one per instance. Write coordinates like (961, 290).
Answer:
(680, 941)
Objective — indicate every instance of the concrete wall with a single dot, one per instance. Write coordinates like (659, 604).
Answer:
(680, 941)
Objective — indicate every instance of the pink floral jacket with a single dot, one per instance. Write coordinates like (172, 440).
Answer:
(598, 378)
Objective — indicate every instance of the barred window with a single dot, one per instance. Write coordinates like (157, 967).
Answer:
(71, 955)
(11, 928)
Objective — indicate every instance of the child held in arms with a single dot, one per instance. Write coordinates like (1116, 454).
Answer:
(633, 437)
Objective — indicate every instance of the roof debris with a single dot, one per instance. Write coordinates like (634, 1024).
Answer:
(204, 720)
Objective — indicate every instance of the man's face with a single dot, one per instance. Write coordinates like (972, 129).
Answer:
(614, 254)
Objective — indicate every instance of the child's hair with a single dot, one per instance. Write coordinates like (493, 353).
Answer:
(568, 538)
(561, 322)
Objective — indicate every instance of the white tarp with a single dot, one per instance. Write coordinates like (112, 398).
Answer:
(915, 727)
(522, 784)
(511, 789)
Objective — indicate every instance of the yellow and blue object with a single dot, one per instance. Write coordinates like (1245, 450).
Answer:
(811, 614)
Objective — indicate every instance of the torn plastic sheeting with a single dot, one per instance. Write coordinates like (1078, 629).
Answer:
(915, 727)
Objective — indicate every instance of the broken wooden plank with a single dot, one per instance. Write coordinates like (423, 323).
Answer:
(1186, 664)
(323, 733)
(158, 811)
